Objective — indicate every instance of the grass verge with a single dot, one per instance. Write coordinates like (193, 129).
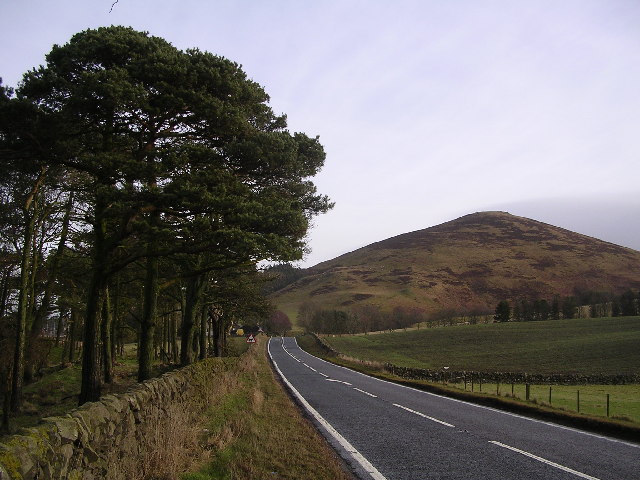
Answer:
(252, 430)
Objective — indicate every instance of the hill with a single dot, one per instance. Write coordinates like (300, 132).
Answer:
(466, 264)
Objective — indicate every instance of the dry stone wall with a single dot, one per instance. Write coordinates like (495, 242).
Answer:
(105, 439)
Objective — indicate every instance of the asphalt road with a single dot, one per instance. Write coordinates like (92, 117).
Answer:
(387, 431)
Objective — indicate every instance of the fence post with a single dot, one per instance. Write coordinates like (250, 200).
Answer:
(498, 388)
(512, 390)
(527, 391)
(472, 383)
(607, 404)
(549, 394)
(578, 401)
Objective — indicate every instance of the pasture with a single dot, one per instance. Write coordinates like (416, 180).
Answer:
(608, 346)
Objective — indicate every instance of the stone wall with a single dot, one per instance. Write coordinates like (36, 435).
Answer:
(106, 439)
(510, 377)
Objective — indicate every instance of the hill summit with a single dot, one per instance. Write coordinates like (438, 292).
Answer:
(470, 263)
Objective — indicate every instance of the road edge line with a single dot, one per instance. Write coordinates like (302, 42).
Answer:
(350, 449)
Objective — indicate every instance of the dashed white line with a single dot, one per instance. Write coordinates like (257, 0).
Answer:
(544, 460)
(309, 367)
(423, 415)
(324, 374)
(483, 407)
(285, 349)
(366, 393)
(337, 381)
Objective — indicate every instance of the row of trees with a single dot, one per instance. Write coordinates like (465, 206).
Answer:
(141, 186)
(361, 319)
(589, 303)
(366, 318)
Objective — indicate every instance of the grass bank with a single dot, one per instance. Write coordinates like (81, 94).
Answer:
(252, 430)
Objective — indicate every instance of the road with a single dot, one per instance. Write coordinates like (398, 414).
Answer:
(388, 431)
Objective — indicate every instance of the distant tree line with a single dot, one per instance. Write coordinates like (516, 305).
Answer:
(361, 319)
(584, 304)
(140, 188)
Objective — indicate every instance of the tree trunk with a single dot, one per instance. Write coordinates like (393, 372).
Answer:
(107, 359)
(219, 334)
(17, 380)
(204, 344)
(91, 387)
(195, 288)
(91, 373)
(173, 338)
(149, 312)
(59, 326)
(4, 297)
(43, 310)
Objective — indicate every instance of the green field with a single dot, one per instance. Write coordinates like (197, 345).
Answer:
(586, 346)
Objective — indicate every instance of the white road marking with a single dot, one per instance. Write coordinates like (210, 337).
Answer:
(366, 393)
(285, 349)
(544, 460)
(424, 416)
(350, 449)
(337, 381)
(324, 374)
(309, 367)
(483, 407)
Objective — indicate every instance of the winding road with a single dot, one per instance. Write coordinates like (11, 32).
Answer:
(388, 431)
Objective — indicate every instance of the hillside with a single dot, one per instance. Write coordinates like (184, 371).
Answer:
(465, 264)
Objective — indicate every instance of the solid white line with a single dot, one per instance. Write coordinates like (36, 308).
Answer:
(544, 460)
(324, 374)
(366, 393)
(424, 416)
(483, 407)
(357, 456)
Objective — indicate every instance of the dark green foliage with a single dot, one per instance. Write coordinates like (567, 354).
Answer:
(503, 311)
(628, 303)
(182, 175)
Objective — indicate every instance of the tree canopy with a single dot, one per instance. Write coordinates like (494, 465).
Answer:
(173, 163)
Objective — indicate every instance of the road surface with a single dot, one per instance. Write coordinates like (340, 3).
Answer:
(388, 431)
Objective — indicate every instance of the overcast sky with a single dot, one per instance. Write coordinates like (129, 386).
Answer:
(428, 109)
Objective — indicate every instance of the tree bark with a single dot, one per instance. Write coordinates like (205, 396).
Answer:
(204, 344)
(91, 386)
(195, 288)
(43, 310)
(17, 378)
(150, 308)
(107, 340)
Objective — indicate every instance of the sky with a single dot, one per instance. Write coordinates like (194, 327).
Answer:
(427, 109)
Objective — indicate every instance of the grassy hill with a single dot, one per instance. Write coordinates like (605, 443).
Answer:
(467, 264)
